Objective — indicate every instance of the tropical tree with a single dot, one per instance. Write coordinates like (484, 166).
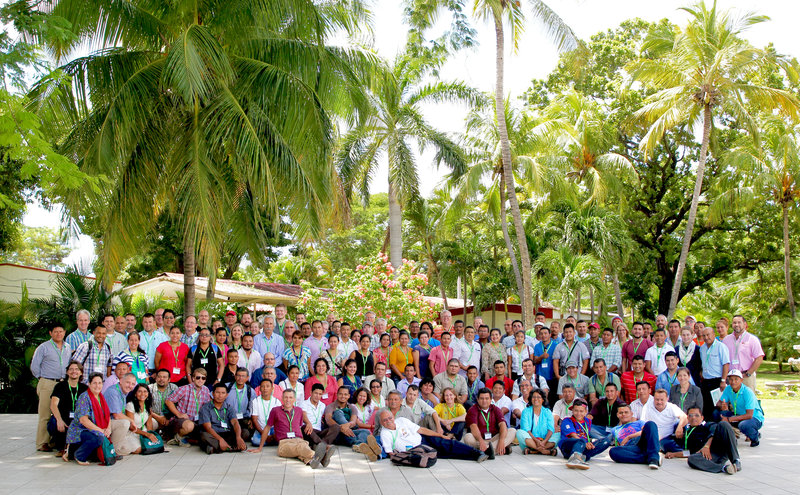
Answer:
(564, 274)
(427, 224)
(701, 71)
(218, 112)
(395, 123)
(768, 170)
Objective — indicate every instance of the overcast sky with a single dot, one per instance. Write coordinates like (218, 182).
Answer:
(535, 59)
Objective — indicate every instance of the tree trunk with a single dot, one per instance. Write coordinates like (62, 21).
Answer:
(504, 227)
(188, 277)
(526, 296)
(464, 288)
(578, 299)
(618, 297)
(687, 235)
(787, 261)
(591, 303)
(439, 282)
(395, 228)
(210, 287)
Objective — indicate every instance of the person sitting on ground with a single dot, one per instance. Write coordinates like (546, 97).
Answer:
(666, 415)
(597, 384)
(421, 412)
(240, 396)
(184, 405)
(287, 422)
(139, 403)
(342, 413)
(400, 434)
(575, 442)
(486, 427)
(739, 407)
(122, 428)
(260, 408)
(604, 413)
(520, 403)
(710, 448)
(630, 380)
(536, 434)
(636, 441)
(91, 424)
(561, 409)
(684, 393)
(159, 391)
(580, 383)
(316, 431)
(452, 415)
(63, 402)
(365, 410)
(451, 378)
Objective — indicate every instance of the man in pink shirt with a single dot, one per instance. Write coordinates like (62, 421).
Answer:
(745, 350)
(440, 355)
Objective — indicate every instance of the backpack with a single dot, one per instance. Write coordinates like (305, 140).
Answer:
(106, 453)
(421, 456)
(149, 448)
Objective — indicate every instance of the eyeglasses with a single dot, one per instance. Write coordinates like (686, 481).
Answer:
(200, 378)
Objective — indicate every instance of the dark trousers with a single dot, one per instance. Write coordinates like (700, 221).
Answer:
(90, 441)
(230, 437)
(457, 430)
(723, 449)
(706, 386)
(644, 451)
(571, 446)
(328, 435)
(451, 449)
(59, 438)
(552, 394)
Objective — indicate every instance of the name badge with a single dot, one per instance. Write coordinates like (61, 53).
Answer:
(686, 453)
(223, 424)
(545, 365)
(196, 417)
(176, 371)
(239, 416)
(98, 369)
(487, 436)
(141, 375)
(290, 434)
(203, 360)
(735, 361)
(72, 415)
(324, 396)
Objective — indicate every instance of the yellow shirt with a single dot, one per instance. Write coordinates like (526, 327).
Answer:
(446, 412)
(400, 359)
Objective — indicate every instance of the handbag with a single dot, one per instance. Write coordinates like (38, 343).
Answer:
(106, 453)
(421, 456)
(150, 447)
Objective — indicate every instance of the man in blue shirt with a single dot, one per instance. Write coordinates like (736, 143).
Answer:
(221, 430)
(543, 358)
(636, 442)
(716, 361)
(739, 407)
(669, 376)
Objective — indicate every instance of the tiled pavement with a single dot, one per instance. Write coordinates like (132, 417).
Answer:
(773, 467)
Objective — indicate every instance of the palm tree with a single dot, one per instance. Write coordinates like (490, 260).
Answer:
(498, 12)
(699, 71)
(565, 273)
(771, 169)
(219, 112)
(427, 223)
(395, 122)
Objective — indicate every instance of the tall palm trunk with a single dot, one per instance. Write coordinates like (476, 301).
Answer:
(189, 268)
(578, 298)
(504, 226)
(465, 297)
(698, 187)
(591, 303)
(395, 228)
(527, 292)
(618, 297)
(787, 260)
(211, 282)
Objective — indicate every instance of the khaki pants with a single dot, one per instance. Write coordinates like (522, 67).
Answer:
(295, 448)
(470, 440)
(750, 381)
(124, 440)
(44, 389)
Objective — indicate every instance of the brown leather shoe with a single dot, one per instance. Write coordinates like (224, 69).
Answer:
(45, 448)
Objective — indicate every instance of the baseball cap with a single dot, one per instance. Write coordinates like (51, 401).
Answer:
(735, 373)
(572, 365)
(593, 325)
(230, 312)
(577, 402)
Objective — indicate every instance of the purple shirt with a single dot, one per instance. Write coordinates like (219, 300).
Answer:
(316, 346)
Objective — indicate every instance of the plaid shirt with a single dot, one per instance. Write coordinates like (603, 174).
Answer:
(188, 399)
(76, 338)
(611, 354)
(93, 358)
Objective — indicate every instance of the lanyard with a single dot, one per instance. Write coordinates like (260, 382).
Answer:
(405, 355)
(175, 352)
(609, 406)
(569, 356)
(472, 389)
(74, 396)
(683, 398)
(264, 409)
(519, 354)
(99, 355)
(636, 347)
(143, 417)
(471, 346)
(162, 398)
(317, 416)
(708, 351)
(451, 411)
(362, 410)
(486, 418)
(584, 428)
(446, 356)
(196, 401)
(239, 399)
(686, 439)
(736, 343)
(453, 381)
(297, 356)
(394, 438)
(225, 411)
(247, 359)
(324, 384)
(659, 352)
(204, 355)
(671, 379)
(60, 353)
(290, 420)
(736, 401)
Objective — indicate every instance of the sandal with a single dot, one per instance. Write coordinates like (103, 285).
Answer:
(83, 463)
(526, 451)
(553, 452)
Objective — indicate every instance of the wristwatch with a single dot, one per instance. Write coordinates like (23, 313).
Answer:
(747, 374)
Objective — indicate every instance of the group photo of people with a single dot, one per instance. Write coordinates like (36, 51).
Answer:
(645, 392)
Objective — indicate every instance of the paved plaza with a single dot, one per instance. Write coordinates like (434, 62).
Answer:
(774, 467)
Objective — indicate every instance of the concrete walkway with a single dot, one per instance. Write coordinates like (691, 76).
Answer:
(773, 467)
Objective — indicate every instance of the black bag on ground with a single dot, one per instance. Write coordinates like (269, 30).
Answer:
(420, 456)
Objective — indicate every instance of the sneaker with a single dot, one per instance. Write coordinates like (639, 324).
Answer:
(209, 449)
(373, 444)
(319, 453)
(738, 465)
(729, 468)
(483, 457)
(583, 463)
(573, 462)
(176, 440)
(363, 448)
(490, 452)
(326, 459)
(755, 443)
(654, 465)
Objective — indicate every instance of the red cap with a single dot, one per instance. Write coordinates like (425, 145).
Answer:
(594, 325)
(230, 313)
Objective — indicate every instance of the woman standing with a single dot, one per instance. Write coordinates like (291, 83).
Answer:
(334, 356)
(493, 351)
(91, 425)
(172, 356)
(622, 334)
(518, 353)
(689, 355)
(421, 353)
(298, 355)
(221, 336)
(139, 366)
(402, 355)
(365, 361)
(536, 434)
(381, 354)
(63, 402)
(235, 338)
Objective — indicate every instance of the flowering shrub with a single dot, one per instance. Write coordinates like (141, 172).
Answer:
(373, 286)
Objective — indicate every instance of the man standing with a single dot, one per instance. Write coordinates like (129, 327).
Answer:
(203, 319)
(654, 357)
(317, 342)
(739, 407)
(486, 427)
(130, 323)
(189, 336)
(637, 346)
(150, 340)
(716, 366)
(710, 448)
(630, 379)
(674, 330)
(230, 320)
(94, 355)
(745, 351)
(116, 341)
(280, 318)
(469, 351)
(446, 318)
(81, 334)
(269, 341)
(248, 358)
(48, 366)
(222, 432)
(570, 352)
(205, 355)
(582, 328)
(543, 359)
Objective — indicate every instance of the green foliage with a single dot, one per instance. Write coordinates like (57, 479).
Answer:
(40, 247)
(362, 238)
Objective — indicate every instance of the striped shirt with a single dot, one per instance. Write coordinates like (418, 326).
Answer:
(76, 338)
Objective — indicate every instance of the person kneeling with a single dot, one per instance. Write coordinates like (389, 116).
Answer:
(222, 432)
(637, 441)
(710, 448)
(401, 434)
(576, 443)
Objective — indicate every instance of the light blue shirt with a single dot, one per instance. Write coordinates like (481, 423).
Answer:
(149, 343)
(275, 344)
(741, 402)
(666, 381)
(713, 359)
(77, 338)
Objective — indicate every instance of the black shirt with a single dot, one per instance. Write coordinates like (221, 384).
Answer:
(600, 413)
(199, 356)
(228, 377)
(67, 398)
(695, 437)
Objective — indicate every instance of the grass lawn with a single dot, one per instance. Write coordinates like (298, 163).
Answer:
(780, 406)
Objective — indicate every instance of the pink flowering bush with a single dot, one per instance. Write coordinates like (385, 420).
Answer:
(373, 286)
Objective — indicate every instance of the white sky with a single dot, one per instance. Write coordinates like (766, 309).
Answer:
(535, 59)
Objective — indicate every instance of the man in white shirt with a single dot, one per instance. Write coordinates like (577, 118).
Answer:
(468, 351)
(524, 387)
(410, 378)
(666, 416)
(260, 408)
(643, 399)
(313, 415)
(654, 362)
(249, 359)
(561, 409)
(400, 434)
(387, 385)
(501, 400)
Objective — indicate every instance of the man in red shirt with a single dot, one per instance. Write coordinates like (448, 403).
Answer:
(486, 427)
(631, 378)
(635, 347)
(287, 421)
(500, 373)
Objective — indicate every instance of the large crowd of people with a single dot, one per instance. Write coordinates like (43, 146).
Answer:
(670, 389)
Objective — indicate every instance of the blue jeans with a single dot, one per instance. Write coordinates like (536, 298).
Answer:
(451, 449)
(600, 432)
(571, 446)
(360, 434)
(749, 427)
(669, 444)
(89, 443)
(256, 438)
(643, 451)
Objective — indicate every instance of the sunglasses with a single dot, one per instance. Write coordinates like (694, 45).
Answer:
(200, 378)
